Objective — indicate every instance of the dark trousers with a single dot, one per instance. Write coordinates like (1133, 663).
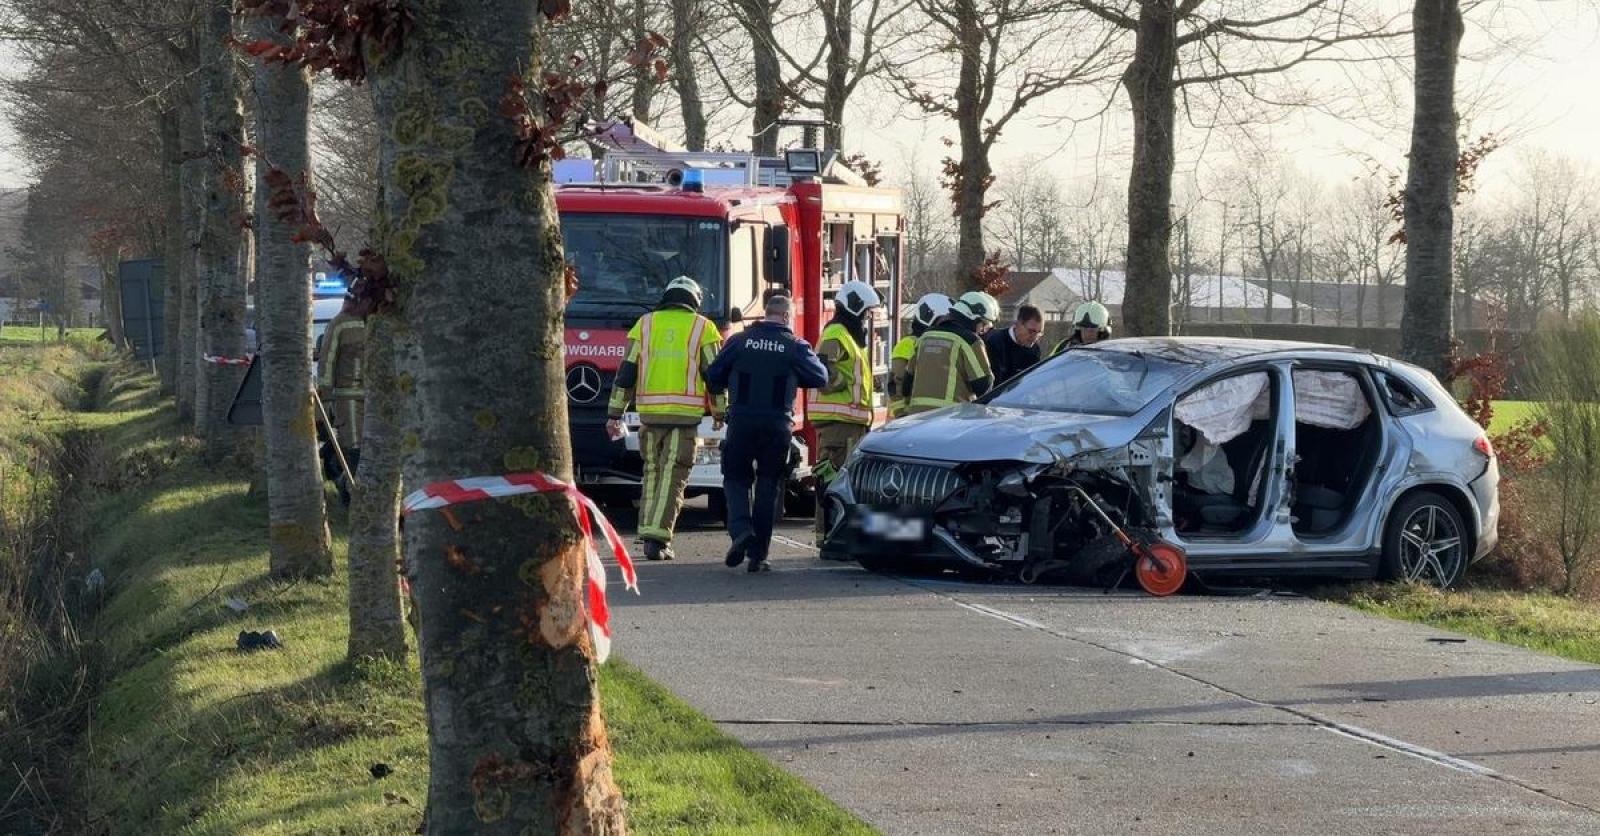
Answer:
(755, 454)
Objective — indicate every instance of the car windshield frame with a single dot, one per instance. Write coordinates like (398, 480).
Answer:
(1149, 377)
(618, 236)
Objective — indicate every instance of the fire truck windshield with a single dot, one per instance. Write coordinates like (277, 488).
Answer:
(624, 262)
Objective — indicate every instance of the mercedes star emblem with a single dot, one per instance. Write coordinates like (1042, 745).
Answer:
(583, 383)
(894, 481)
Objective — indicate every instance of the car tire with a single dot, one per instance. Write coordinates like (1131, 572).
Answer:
(1425, 541)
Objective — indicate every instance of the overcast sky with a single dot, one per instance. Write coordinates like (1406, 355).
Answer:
(1531, 72)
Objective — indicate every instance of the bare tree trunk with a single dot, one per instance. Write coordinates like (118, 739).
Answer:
(172, 250)
(976, 173)
(187, 308)
(221, 287)
(836, 21)
(685, 74)
(756, 15)
(298, 537)
(516, 738)
(644, 83)
(1146, 305)
(377, 625)
(1427, 329)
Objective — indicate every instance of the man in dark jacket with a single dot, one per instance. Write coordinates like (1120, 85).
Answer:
(1014, 350)
(761, 369)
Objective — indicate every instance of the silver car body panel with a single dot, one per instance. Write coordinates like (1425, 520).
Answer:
(1432, 448)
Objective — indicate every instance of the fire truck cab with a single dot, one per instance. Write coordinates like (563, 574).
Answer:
(738, 224)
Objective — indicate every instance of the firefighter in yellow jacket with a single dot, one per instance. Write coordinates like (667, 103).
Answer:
(339, 385)
(663, 374)
(842, 410)
(931, 309)
(951, 365)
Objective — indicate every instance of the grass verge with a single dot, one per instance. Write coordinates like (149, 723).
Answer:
(190, 736)
(1554, 624)
(32, 335)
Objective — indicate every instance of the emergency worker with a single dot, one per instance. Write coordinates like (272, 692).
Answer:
(951, 365)
(1091, 323)
(931, 310)
(841, 410)
(663, 374)
(760, 369)
(340, 386)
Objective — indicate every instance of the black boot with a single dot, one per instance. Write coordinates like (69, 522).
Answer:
(657, 550)
(736, 552)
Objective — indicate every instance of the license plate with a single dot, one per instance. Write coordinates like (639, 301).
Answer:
(892, 527)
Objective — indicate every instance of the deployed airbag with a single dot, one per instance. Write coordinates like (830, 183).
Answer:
(1223, 410)
(1329, 399)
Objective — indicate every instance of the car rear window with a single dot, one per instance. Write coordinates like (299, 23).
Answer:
(1403, 398)
(1092, 382)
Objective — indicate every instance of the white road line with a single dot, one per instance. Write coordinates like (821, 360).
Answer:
(1386, 742)
(1366, 736)
(787, 541)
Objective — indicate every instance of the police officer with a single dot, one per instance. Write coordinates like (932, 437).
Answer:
(1091, 323)
(951, 365)
(339, 385)
(842, 409)
(931, 310)
(669, 350)
(761, 369)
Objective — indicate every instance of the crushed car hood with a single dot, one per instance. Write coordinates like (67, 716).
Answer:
(977, 432)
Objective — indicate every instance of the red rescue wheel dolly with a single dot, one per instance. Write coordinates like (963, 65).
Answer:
(1159, 567)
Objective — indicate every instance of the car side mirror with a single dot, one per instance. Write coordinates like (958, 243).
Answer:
(775, 260)
(736, 315)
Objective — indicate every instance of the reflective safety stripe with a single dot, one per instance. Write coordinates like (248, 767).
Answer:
(854, 403)
(691, 381)
(858, 413)
(669, 373)
(665, 400)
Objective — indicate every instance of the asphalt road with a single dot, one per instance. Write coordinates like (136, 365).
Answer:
(935, 707)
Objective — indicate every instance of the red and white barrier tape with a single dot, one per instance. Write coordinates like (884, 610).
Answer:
(225, 361)
(460, 491)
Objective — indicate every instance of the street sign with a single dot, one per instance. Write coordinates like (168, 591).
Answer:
(143, 284)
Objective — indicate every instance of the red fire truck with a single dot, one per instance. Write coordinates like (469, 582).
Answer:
(738, 224)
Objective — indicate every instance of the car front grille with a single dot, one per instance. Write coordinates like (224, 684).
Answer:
(878, 481)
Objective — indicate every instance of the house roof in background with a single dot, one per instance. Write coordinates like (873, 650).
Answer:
(1234, 292)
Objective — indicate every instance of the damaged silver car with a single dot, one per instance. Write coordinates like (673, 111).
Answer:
(1255, 458)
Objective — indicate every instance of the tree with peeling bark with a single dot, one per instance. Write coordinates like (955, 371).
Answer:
(1191, 47)
(1009, 54)
(472, 246)
(1428, 327)
(220, 289)
(298, 540)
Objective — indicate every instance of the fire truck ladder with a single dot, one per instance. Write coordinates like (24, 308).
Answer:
(635, 153)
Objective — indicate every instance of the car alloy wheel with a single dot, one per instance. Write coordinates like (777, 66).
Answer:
(1431, 546)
